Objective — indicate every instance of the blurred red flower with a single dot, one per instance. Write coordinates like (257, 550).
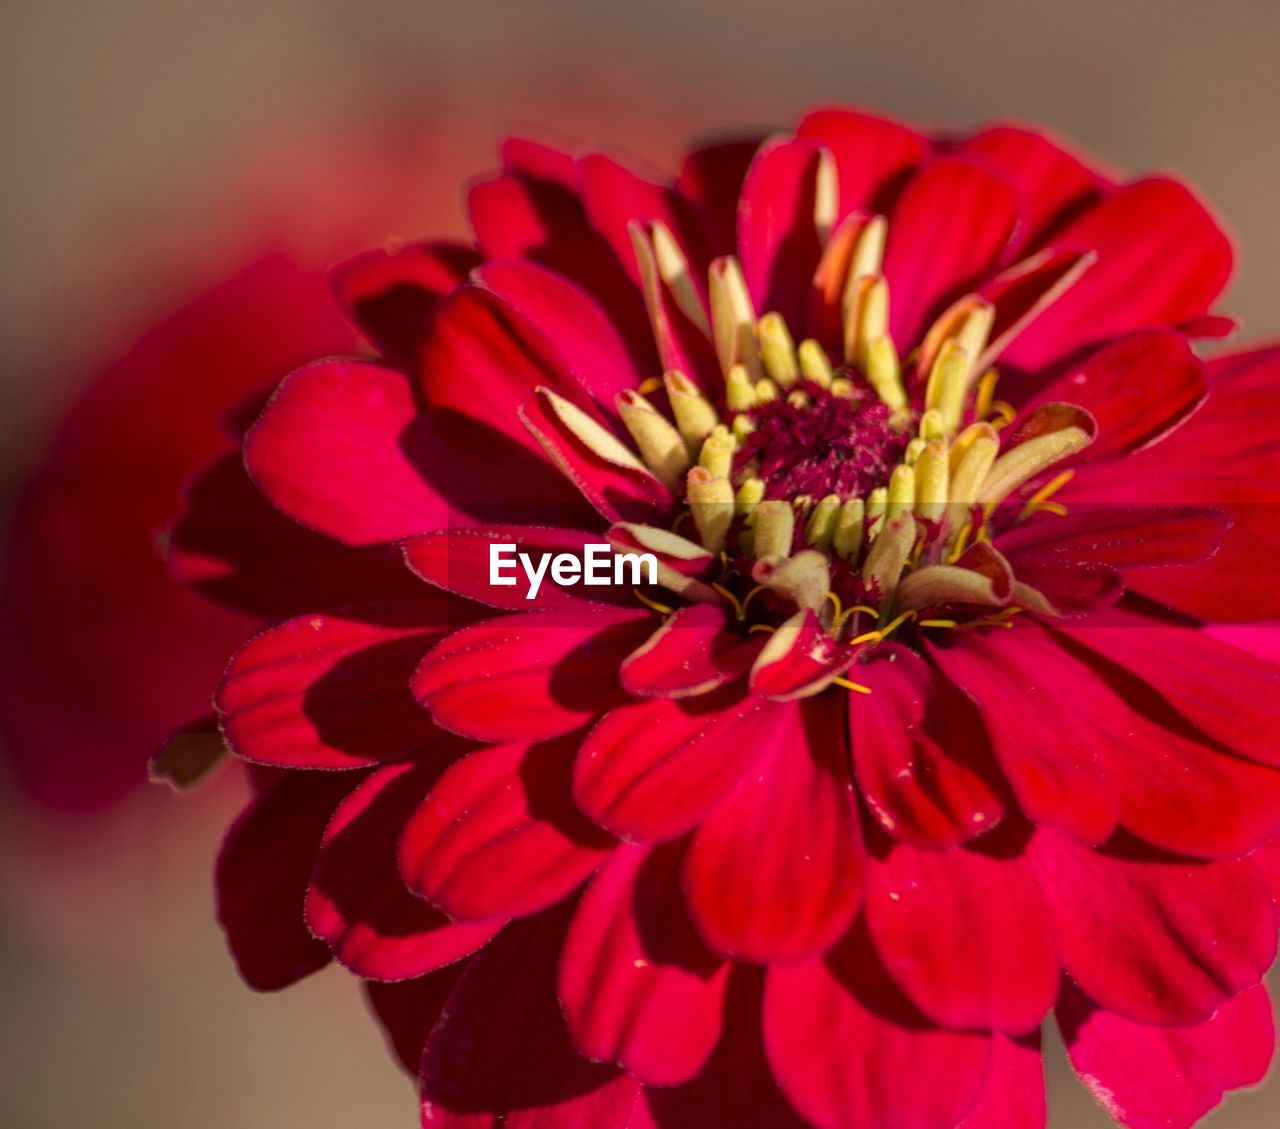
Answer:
(918, 738)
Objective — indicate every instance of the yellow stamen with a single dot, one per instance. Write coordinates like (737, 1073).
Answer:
(1002, 414)
(695, 417)
(986, 393)
(856, 687)
(814, 365)
(649, 602)
(660, 444)
(948, 623)
(777, 350)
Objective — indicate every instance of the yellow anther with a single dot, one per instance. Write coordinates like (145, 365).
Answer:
(650, 602)
(847, 538)
(948, 385)
(877, 503)
(842, 387)
(814, 365)
(821, 526)
(766, 390)
(1002, 414)
(902, 490)
(949, 623)
(742, 427)
(756, 628)
(738, 611)
(884, 373)
(774, 528)
(651, 385)
(1051, 487)
(931, 425)
(962, 539)
(750, 494)
(660, 445)
(711, 502)
(856, 687)
(673, 269)
(695, 417)
(932, 474)
(733, 318)
(716, 456)
(897, 622)
(777, 350)
(986, 394)
(740, 392)
(756, 591)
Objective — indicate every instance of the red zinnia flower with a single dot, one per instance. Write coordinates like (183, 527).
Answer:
(819, 828)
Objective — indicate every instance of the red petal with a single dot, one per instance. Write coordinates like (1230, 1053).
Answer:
(529, 677)
(653, 770)
(999, 968)
(693, 652)
(775, 872)
(482, 1070)
(849, 1051)
(873, 155)
(407, 1010)
(334, 450)
(1224, 692)
(1166, 1077)
(620, 491)
(1153, 937)
(778, 238)
(357, 901)
(799, 658)
(951, 226)
(388, 294)
(262, 874)
(921, 753)
(499, 836)
(1138, 389)
(587, 341)
(1161, 260)
(1050, 181)
(638, 987)
(328, 691)
(458, 561)
(1014, 1094)
(1053, 767)
(711, 179)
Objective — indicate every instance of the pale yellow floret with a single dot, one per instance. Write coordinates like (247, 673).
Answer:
(932, 473)
(931, 425)
(972, 468)
(848, 535)
(826, 195)
(777, 350)
(842, 387)
(947, 388)
(733, 318)
(742, 427)
(814, 365)
(716, 456)
(740, 392)
(913, 451)
(888, 554)
(695, 416)
(711, 503)
(902, 490)
(821, 526)
(673, 269)
(774, 528)
(877, 504)
(884, 373)
(766, 390)
(661, 446)
(1028, 459)
(872, 320)
(750, 494)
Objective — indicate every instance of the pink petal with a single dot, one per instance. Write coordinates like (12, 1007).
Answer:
(1167, 1077)
(481, 1070)
(999, 968)
(638, 987)
(589, 344)
(336, 451)
(1051, 182)
(693, 652)
(778, 239)
(262, 873)
(389, 293)
(1153, 937)
(531, 676)
(873, 155)
(951, 225)
(1161, 260)
(775, 872)
(357, 902)
(1054, 768)
(1138, 389)
(1013, 1097)
(457, 561)
(328, 691)
(849, 1051)
(921, 753)
(499, 836)
(653, 770)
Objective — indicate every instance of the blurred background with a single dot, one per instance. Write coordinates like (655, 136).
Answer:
(178, 175)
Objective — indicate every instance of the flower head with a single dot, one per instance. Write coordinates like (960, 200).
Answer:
(915, 740)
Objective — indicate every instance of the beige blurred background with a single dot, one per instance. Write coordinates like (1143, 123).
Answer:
(118, 1006)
